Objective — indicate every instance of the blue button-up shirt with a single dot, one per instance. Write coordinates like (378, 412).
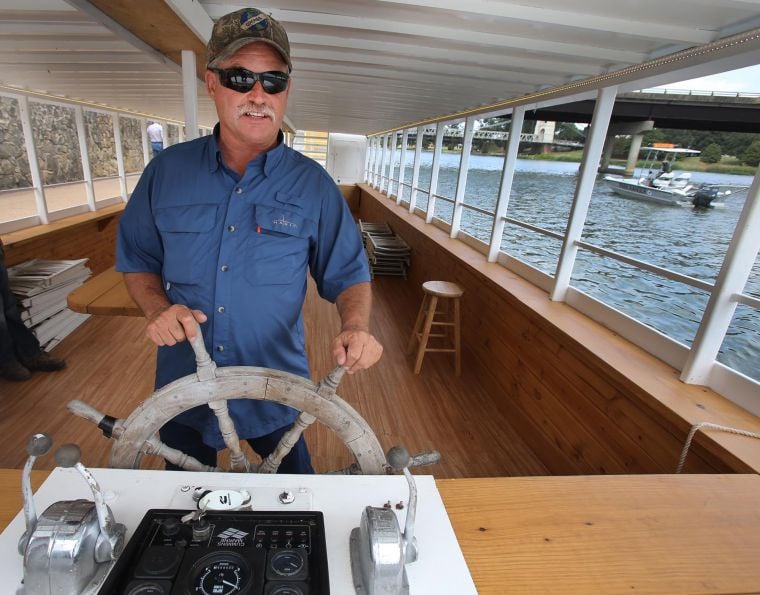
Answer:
(237, 248)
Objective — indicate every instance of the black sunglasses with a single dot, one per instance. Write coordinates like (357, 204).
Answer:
(242, 80)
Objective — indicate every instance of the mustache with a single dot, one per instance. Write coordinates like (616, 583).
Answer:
(256, 107)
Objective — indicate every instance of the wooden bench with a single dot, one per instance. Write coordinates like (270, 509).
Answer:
(104, 294)
(87, 235)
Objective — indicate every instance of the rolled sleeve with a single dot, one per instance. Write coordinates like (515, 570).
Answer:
(138, 247)
(339, 260)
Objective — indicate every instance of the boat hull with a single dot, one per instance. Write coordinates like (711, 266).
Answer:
(632, 189)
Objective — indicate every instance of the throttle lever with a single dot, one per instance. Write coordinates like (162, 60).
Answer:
(36, 446)
(111, 539)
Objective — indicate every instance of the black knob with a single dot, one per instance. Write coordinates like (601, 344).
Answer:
(201, 530)
(170, 527)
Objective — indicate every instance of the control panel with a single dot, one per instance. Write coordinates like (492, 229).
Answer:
(223, 553)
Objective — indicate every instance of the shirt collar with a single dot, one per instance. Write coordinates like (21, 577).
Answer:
(271, 159)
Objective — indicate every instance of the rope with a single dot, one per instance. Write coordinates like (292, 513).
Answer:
(709, 426)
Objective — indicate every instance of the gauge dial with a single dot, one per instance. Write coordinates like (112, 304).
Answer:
(223, 573)
(287, 563)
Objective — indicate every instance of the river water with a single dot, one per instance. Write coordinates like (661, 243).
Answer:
(689, 241)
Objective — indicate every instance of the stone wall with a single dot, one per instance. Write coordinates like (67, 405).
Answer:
(100, 144)
(14, 166)
(57, 143)
(55, 137)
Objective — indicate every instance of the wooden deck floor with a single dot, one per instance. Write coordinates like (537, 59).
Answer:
(111, 366)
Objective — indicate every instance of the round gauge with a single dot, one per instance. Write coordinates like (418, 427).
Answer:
(286, 563)
(221, 573)
(142, 587)
(286, 590)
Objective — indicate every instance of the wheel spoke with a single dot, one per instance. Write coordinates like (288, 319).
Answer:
(238, 460)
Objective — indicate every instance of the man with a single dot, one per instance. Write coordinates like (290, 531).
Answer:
(220, 231)
(156, 138)
(20, 352)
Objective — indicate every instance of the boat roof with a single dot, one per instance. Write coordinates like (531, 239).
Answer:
(675, 150)
(364, 66)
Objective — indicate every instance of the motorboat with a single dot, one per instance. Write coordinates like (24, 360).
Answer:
(665, 186)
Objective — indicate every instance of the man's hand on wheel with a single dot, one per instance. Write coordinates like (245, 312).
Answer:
(173, 325)
(356, 349)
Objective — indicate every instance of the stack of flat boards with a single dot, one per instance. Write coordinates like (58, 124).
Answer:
(42, 287)
(387, 253)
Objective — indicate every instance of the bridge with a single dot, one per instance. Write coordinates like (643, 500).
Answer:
(669, 108)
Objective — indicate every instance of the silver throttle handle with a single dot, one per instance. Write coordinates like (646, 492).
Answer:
(398, 458)
(36, 446)
(111, 539)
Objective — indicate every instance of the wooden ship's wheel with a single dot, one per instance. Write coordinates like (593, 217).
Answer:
(211, 386)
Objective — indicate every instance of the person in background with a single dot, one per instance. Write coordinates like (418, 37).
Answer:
(156, 138)
(20, 352)
(221, 231)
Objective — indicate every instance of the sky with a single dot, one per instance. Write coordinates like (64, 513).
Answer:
(743, 80)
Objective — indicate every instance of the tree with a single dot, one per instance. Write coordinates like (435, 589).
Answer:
(569, 131)
(711, 154)
(752, 155)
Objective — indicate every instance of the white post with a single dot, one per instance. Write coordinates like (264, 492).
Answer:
(505, 186)
(31, 155)
(464, 165)
(416, 168)
(439, 130)
(145, 145)
(736, 269)
(378, 161)
(119, 157)
(389, 189)
(84, 154)
(402, 167)
(371, 170)
(383, 179)
(190, 92)
(367, 158)
(165, 133)
(605, 100)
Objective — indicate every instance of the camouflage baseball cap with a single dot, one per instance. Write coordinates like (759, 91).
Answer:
(237, 29)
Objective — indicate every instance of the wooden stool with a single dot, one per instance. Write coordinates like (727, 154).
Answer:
(447, 292)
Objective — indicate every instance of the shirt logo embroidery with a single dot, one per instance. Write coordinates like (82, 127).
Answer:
(284, 222)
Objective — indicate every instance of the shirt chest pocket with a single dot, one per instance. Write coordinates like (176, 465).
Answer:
(278, 250)
(187, 236)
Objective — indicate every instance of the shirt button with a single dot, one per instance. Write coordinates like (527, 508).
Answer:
(238, 190)
(225, 268)
(231, 228)
(220, 309)
(220, 347)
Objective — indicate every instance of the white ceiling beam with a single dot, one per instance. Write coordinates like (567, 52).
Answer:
(496, 58)
(369, 90)
(122, 33)
(52, 57)
(653, 29)
(74, 68)
(387, 73)
(26, 45)
(194, 16)
(395, 28)
(439, 67)
(49, 30)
